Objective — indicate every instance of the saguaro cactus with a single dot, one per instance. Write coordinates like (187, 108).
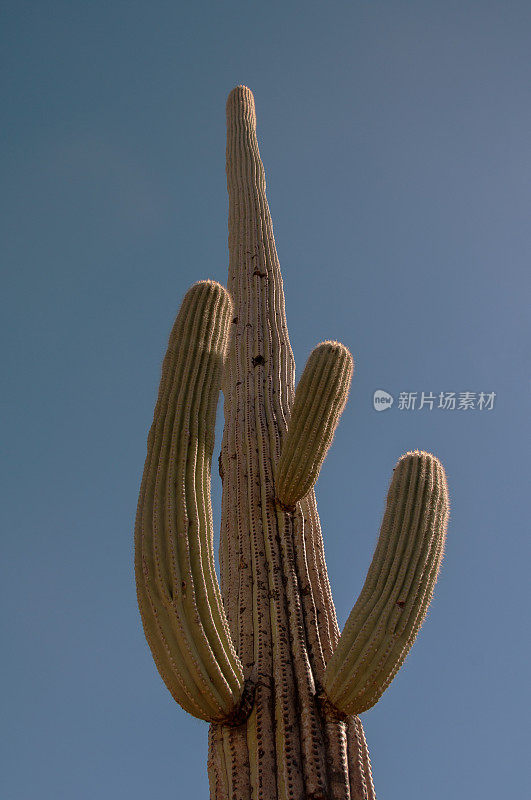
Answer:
(260, 656)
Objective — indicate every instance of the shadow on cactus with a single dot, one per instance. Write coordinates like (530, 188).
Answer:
(260, 655)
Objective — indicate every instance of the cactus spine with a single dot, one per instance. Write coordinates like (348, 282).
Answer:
(261, 656)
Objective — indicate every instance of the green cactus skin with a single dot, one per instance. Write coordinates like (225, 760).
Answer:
(394, 600)
(178, 593)
(321, 395)
(261, 655)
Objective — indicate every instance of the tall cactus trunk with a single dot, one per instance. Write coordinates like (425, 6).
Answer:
(260, 657)
(274, 581)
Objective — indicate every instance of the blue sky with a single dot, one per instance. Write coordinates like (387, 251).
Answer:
(397, 147)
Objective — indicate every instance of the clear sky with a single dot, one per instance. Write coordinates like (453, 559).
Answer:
(396, 138)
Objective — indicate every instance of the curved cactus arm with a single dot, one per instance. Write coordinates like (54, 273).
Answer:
(178, 593)
(394, 600)
(320, 398)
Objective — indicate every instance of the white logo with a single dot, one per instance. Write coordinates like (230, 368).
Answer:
(382, 400)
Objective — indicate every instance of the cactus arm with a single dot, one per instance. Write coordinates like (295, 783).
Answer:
(177, 587)
(394, 600)
(319, 400)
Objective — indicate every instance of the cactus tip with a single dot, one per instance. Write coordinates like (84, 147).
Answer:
(336, 347)
(417, 454)
(240, 103)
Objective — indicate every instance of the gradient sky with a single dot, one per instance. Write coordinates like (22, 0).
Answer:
(396, 138)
